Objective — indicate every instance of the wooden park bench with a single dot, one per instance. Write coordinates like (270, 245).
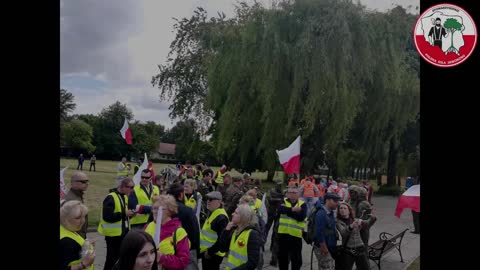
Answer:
(387, 242)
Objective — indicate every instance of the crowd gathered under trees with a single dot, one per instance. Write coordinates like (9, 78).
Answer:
(345, 78)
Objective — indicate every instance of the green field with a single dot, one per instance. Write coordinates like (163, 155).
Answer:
(104, 179)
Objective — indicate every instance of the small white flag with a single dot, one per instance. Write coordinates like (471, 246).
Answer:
(263, 209)
(62, 183)
(199, 207)
(137, 176)
(158, 227)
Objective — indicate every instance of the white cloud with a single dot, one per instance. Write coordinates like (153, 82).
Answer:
(119, 43)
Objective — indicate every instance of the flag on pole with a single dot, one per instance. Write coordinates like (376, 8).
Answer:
(409, 199)
(199, 207)
(126, 133)
(263, 210)
(158, 227)
(290, 157)
(137, 176)
(62, 183)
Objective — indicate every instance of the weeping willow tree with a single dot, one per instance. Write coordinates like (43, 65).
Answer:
(323, 69)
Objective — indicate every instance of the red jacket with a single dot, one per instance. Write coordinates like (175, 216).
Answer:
(182, 258)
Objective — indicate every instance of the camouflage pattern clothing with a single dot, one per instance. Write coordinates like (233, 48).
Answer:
(232, 198)
(363, 209)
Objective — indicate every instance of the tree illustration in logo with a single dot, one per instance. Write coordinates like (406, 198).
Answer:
(452, 25)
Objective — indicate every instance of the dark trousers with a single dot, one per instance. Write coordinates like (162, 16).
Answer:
(113, 250)
(92, 164)
(213, 263)
(416, 220)
(345, 261)
(290, 249)
(80, 166)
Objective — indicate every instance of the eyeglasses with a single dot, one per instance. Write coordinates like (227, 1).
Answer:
(146, 177)
(83, 181)
(130, 187)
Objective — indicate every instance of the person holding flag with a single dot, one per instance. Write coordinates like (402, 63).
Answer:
(173, 244)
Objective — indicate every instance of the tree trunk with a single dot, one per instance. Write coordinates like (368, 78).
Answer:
(392, 162)
(353, 173)
(399, 181)
(379, 177)
(270, 175)
(357, 174)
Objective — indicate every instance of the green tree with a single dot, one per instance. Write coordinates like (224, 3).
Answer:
(66, 103)
(452, 25)
(110, 143)
(77, 135)
(268, 75)
(184, 134)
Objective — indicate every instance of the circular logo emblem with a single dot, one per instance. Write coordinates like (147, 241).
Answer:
(445, 35)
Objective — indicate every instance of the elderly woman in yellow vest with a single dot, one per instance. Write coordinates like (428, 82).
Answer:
(72, 218)
(171, 254)
(191, 195)
(211, 231)
(242, 240)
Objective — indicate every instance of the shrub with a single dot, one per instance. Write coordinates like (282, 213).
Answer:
(390, 191)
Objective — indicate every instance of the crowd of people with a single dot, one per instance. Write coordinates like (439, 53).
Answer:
(231, 227)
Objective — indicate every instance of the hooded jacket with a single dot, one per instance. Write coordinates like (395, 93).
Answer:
(182, 258)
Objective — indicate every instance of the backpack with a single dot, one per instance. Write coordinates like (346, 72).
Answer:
(309, 235)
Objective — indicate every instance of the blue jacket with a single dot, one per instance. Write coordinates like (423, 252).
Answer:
(321, 224)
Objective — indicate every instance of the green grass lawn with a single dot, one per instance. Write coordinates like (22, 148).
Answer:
(415, 265)
(104, 179)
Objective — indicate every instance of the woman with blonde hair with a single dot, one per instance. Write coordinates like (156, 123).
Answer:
(242, 239)
(170, 255)
(191, 195)
(72, 257)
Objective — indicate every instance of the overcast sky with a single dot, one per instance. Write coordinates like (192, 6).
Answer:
(110, 49)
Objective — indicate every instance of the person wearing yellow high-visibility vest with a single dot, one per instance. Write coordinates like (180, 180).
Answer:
(293, 213)
(218, 177)
(115, 220)
(170, 255)
(122, 170)
(242, 240)
(191, 195)
(257, 202)
(72, 218)
(211, 231)
(140, 200)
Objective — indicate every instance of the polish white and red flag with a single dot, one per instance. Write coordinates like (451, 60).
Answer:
(126, 133)
(290, 157)
(409, 199)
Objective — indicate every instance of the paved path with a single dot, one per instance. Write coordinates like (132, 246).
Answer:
(383, 208)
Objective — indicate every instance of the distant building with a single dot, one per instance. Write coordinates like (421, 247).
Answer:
(166, 151)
